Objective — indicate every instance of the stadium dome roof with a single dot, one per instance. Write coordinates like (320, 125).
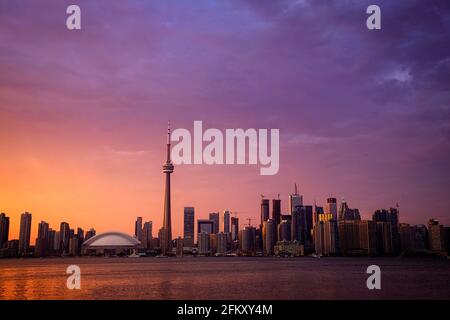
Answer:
(111, 239)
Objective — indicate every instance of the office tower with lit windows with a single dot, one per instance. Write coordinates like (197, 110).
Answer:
(4, 230)
(138, 228)
(234, 228)
(24, 233)
(330, 208)
(276, 211)
(188, 228)
(214, 216)
(317, 211)
(64, 234)
(436, 236)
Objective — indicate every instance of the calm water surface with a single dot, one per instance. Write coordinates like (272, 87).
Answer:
(224, 278)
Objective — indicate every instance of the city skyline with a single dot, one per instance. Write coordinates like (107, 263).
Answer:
(360, 116)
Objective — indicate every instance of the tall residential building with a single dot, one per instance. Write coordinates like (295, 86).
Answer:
(147, 235)
(4, 230)
(325, 238)
(269, 236)
(298, 223)
(205, 225)
(367, 237)
(330, 208)
(284, 231)
(188, 229)
(24, 233)
(222, 241)
(203, 240)
(349, 239)
(384, 238)
(406, 235)
(276, 211)
(138, 228)
(166, 244)
(64, 234)
(345, 213)
(317, 211)
(295, 200)
(234, 228)
(264, 210)
(225, 223)
(90, 234)
(420, 236)
(436, 236)
(179, 246)
(390, 216)
(41, 245)
(51, 241)
(247, 240)
(214, 216)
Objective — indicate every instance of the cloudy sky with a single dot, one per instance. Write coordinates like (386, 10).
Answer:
(363, 115)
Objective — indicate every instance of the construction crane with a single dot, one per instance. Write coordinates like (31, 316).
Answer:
(262, 196)
(249, 222)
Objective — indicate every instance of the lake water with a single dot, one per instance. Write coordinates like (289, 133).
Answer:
(224, 278)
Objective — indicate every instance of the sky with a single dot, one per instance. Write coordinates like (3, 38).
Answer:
(363, 115)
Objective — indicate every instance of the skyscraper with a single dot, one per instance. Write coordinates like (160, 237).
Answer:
(264, 210)
(325, 238)
(436, 236)
(276, 211)
(225, 224)
(284, 231)
(188, 229)
(205, 225)
(4, 230)
(24, 233)
(406, 238)
(64, 235)
(214, 216)
(138, 228)
(247, 240)
(268, 235)
(147, 235)
(203, 240)
(295, 200)
(234, 228)
(166, 245)
(345, 213)
(41, 245)
(330, 208)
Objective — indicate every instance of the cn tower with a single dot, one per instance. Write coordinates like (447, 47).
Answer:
(166, 245)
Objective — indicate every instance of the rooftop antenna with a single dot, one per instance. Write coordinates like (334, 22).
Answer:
(296, 191)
